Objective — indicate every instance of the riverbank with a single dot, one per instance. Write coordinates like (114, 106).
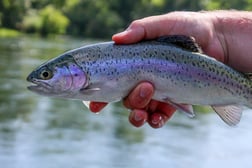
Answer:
(4, 32)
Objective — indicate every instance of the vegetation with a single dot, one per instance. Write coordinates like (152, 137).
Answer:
(95, 18)
(8, 32)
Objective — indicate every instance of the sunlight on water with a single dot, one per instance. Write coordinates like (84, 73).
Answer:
(41, 132)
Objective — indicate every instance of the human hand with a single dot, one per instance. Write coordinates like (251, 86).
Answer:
(199, 25)
(144, 109)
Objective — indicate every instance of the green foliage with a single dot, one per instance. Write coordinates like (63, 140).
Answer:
(95, 18)
(202, 109)
(249, 5)
(8, 33)
(53, 21)
(45, 21)
(212, 5)
(11, 13)
(98, 21)
(32, 22)
(228, 4)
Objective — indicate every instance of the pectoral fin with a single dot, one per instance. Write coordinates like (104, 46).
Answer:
(86, 103)
(230, 114)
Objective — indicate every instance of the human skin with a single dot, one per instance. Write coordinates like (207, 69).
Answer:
(224, 35)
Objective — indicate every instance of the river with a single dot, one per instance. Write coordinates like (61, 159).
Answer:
(41, 132)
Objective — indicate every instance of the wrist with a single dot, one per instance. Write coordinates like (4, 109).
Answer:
(233, 29)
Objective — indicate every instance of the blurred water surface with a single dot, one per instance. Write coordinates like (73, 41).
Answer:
(42, 132)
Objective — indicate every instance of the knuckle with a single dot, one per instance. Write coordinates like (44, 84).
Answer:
(136, 23)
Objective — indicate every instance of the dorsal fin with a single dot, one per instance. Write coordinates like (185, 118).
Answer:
(249, 75)
(181, 41)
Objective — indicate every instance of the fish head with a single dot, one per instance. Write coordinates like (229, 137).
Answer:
(60, 77)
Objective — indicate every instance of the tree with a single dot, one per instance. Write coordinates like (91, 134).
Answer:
(96, 18)
(11, 13)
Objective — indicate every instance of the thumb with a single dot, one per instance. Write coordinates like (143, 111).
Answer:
(130, 35)
(146, 28)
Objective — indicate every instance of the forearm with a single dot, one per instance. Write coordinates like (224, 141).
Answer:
(234, 31)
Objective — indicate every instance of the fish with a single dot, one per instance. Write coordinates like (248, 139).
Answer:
(175, 65)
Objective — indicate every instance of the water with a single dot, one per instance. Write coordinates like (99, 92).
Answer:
(41, 132)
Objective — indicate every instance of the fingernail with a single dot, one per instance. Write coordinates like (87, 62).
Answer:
(123, 32)
(138, 116)
(119, 34)
(156, 119)
(144, 92)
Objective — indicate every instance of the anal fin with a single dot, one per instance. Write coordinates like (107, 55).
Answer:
(230, 114)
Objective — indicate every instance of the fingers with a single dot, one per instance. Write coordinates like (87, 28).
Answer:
(140, 96)
(156, 115)
(161, 115)
(138, 117)
(130, 35)
(146, 28)
(184, 23)
(138, 30)
(145, 109)
(157, 120)
(96, 107)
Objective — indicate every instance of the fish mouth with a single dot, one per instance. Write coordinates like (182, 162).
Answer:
(39, 86)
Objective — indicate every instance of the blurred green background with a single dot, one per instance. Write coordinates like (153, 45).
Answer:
(86, 17)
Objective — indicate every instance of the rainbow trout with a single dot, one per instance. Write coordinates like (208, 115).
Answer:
(181, 74)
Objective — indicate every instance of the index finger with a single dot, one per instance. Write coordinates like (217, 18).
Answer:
(146, 28)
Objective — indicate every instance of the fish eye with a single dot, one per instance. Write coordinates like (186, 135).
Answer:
(46, 74)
